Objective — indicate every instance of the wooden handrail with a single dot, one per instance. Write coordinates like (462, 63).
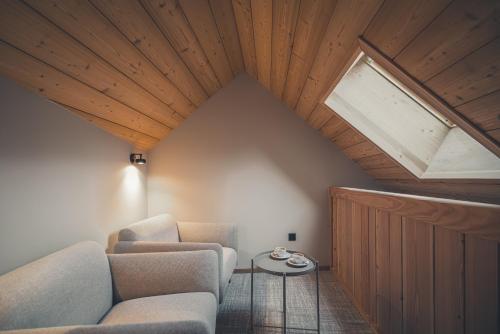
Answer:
(475, 218)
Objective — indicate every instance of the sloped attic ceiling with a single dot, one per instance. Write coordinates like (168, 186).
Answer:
(139, 68)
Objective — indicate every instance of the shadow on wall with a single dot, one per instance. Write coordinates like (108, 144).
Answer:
(244, 157)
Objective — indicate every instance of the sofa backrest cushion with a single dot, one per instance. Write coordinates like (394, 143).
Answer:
(70, 287)
(158, 228)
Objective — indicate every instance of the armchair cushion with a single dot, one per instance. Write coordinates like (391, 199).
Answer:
(152, 274)
(229, 264)
(195, 312)
(224, 234)
(69, 287)
(158, 228)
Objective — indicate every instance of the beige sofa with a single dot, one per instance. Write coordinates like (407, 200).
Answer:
(80, 289)
(163, 233)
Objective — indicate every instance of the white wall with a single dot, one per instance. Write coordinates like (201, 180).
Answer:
(245, 158)
(62, 179)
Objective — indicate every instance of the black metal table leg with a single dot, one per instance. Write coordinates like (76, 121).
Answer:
(284, 303)
(251, 298)
(317, 294)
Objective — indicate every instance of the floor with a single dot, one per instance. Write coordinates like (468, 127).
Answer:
(338, 314)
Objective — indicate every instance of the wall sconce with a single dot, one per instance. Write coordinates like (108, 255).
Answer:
(137, 159)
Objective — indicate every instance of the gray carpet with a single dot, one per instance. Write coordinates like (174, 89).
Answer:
(338, 314)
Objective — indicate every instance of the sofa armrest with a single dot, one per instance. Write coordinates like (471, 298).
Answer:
(153, 274)
(224, 234)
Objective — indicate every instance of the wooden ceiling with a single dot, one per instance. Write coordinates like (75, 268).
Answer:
(138, 68)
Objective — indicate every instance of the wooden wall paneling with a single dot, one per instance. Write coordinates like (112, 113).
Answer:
(311, 25)
(348, 21)
(262, 16)
(476, 75)
(341, 222)
(448, 281)
(481, 286)
(47, 81)
(171, 20)
(372, 244)
(461, 28)
(48, 43)
(320, 116)
(418, 277)
(357, 265)
(135, 23)
(383, 271)
(361, 150)
(364, 299)
(484, 112)
(140, 140)
(347, 251)
(399, 21)
(335, 218)
(85, 23)
(285, 13)
(334, 126)
(202, 22)
(243, 15)
(396, 273)
(226, 23)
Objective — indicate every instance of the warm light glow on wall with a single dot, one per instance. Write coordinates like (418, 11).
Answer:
(132, 180)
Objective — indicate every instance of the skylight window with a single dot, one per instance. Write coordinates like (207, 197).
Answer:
(406, 127)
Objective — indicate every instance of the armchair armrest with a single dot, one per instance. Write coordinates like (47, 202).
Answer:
(224, 234)
(153, 274)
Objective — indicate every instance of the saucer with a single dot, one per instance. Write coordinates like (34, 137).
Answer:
(283, 257)
(297, 265)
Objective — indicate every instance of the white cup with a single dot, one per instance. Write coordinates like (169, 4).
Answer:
(298, 258)
(279, 251)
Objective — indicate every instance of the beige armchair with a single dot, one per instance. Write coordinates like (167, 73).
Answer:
(81, 290)
(163, 233)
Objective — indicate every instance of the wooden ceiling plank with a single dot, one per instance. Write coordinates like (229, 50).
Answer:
(285, 14)
(25, 29)
(334, 127)
(85, 23)
(55, 85)
(361, 150)
(377, 161)
(171, 20)
(347, 138)
(459, 30)
(202, 22)
(390, 173)
(226, 23)
(398, 22)
(348, 21)
(320, 116)
(311, 26)
(495, 134)
(140, 140)
(484, 112)
(472, 77)
(243, 15)
(136, 24)
(262, 16)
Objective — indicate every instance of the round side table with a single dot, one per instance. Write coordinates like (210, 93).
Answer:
(266, 263)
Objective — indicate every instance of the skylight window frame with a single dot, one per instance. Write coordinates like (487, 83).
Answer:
(418, 90)
(421, 95)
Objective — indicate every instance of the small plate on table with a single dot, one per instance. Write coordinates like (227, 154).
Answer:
(282, 257)
(291, 262)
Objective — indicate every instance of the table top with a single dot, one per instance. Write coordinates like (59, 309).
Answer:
(279, 267)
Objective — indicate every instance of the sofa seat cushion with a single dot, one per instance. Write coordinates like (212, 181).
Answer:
(229, 259)
(193, 312)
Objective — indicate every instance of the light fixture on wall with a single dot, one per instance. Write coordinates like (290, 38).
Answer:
(136, 158)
